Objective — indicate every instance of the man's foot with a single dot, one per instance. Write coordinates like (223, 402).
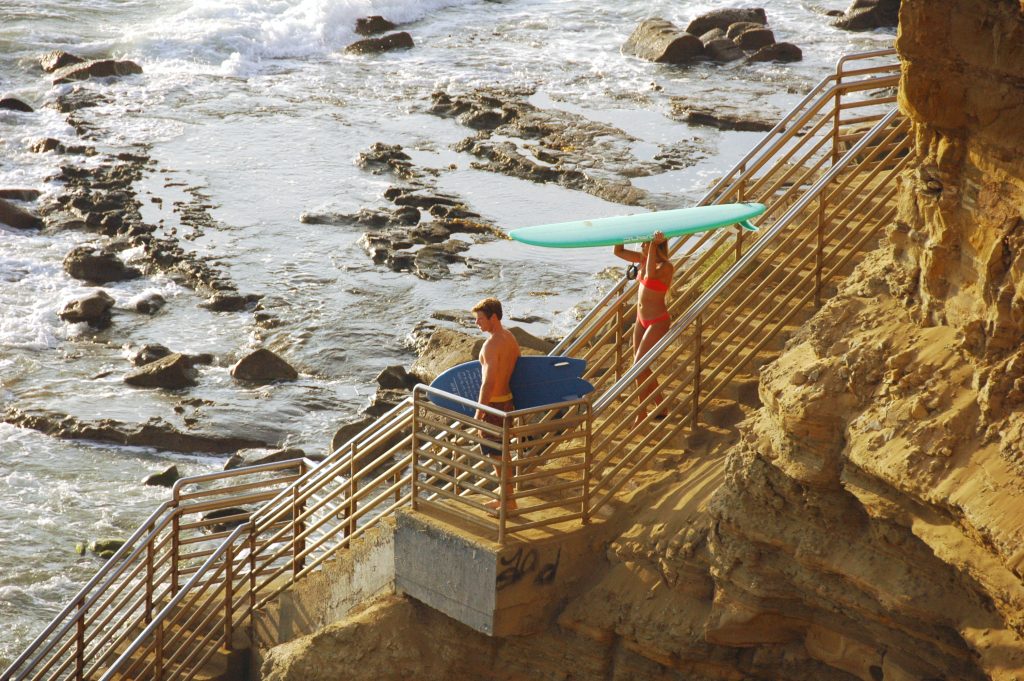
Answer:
(494, 505)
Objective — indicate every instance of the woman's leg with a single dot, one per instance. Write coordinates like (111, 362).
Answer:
(647, 340)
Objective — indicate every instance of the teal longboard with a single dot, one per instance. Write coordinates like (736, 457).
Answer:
(627, 229)
(537, 380)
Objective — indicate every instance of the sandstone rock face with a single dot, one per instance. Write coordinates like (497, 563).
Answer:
(660, 41)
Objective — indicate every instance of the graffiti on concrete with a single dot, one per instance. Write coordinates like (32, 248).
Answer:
(525, 562)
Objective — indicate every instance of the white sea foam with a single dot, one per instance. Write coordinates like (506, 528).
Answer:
(236, 37)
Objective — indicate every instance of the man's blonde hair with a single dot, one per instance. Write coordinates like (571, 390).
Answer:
(489, 306)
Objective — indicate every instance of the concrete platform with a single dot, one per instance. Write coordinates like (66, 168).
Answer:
(448, 561)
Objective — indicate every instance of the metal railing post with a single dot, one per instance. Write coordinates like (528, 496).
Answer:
(350, 501)
(619, 339)
(175, 549)
(503, 476)
(158, 652)
(819, 254)
(297, 525)
(80, 642)
(149, 574)
(414, 491)
(588, 458)
(229, 593)
(698, 349)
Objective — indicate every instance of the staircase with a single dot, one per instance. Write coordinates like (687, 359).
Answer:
(177, 600)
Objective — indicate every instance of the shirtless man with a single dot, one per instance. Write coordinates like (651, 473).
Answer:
(497, 360)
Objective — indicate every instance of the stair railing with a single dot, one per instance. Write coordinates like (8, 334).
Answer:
(370, 477)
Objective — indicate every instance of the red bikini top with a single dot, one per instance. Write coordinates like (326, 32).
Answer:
(653, 284)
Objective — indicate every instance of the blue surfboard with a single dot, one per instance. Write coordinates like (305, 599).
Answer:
(625, 229)
(537, 380)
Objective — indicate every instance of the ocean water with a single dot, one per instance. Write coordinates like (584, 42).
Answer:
(253, 106)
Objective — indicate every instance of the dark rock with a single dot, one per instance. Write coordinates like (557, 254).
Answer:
(15, 104)
(46, 144)
(482, 120)
(79, 98)
(57, 59)
(156, 433)
(864, 15)
(203, 358)
(393, 41)
(661, 41)
(384, 401)
(724, 18)
(723, 119)
(431, 262)
(167, 478)
(106, 547)
(781, 52)
(229, 302)
(263, 366)
(148, 303)
(16, 217)
(373, 25)
(100, 68)
(94, 309)
(713, 34)
(20, 194)
(94, 264)
(245, 458)
(362, 456)
(396, 377)
(150, 352)
(406, 215)
(174, 371)
(755, 38)
(723, 50)
(232, 516)
(528, 342)
(739, 28)
(380, 157)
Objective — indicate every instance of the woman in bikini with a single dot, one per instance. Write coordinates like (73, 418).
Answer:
(654, 274)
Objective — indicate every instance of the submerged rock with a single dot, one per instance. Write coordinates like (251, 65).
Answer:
(16, 217)
(661, 41)
(165, 478)
(99, 68)
(148, 303)
(91, 263)
(174, 371)
(58, 59)
(93, 309)
(263, 366)
(15, 104)
(373, 25)
(781, 52)
(394, 41)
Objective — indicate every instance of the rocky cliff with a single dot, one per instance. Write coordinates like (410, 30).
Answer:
(869, 523)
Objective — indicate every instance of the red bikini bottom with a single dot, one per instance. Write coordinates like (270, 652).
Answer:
(647, 323)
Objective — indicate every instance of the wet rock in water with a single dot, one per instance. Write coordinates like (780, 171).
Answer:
(384, 401)
(245, 458)
(754, 38)
(393, 41)
(723, 50)
(230, 518)
(173, 372)
(46, 144)
(445, 349)
(373, 25)
(363, 456)
(713, 34)
(661, 41)
(79, 98)
(864, 15)
(165, 478)
(529, 343)
(58, 59)
(229, 302)
(724, 18)
(99, 68)
(93, 309)
(147, 303)
(431, 262)
(780, 52)
(723, 118)
(20, 194)
(19, 218)
(90, 263)
(150, 352)
(263, 366)
(382, 157)
(105, 547)
(15, 104)
(396, 377)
